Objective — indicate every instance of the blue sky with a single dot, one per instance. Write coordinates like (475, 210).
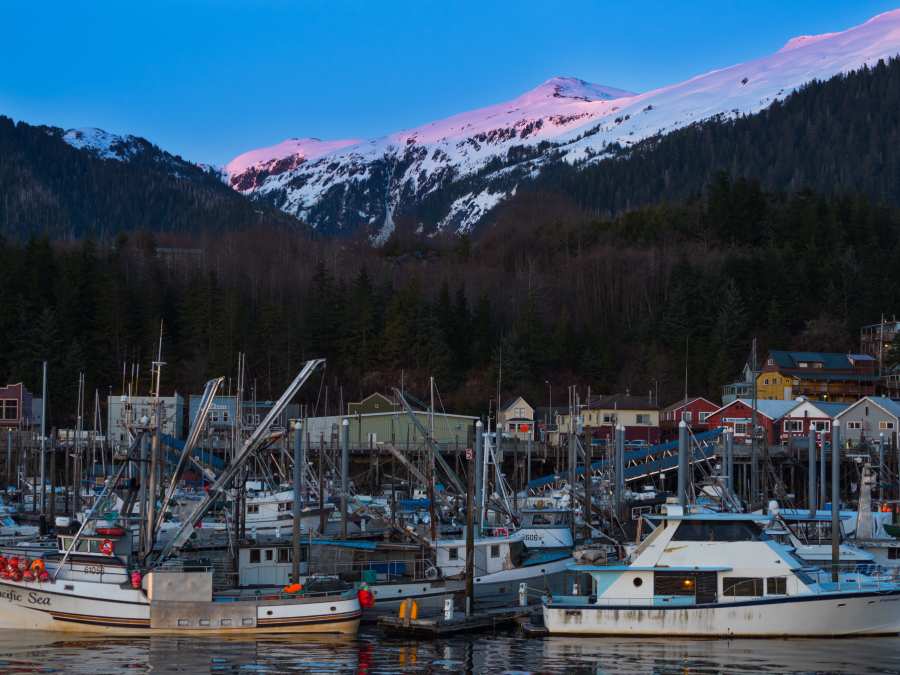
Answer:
(210, 79)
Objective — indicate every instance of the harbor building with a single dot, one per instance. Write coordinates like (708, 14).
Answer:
(123, 410)
(826, 376)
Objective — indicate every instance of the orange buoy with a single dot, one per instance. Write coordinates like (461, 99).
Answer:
(106, 547)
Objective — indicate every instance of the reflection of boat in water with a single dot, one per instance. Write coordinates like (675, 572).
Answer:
(710, 574)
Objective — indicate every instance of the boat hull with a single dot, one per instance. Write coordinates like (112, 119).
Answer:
(830, 615)
(31, 607)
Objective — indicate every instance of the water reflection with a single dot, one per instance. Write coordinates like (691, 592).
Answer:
(373, 653)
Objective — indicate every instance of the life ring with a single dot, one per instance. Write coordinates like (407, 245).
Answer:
(106, 547)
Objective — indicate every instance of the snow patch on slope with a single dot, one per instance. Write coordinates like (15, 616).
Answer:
(479, 155)
(102, 143)
(304, 148)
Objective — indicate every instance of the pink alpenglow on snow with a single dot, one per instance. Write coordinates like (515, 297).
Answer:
(302, 148)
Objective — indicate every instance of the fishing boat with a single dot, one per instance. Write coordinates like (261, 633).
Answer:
(94, 587)
(720, 575)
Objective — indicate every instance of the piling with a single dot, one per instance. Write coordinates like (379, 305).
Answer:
(479, 471)
(682, 463)
(299, 463)
(620, 469)
(729, 459)
(470, 534)
(345, 473)
(811, 490)
(835, 498)
(881, 465)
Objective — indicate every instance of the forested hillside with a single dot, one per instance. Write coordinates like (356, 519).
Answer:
(835, 137)
(48, 187)
(610, 303)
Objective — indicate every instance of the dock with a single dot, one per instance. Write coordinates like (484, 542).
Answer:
(438, 626)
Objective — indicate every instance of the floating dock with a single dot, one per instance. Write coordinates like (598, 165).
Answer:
(439, 626)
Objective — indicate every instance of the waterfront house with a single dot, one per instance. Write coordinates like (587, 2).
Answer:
(826, 376)
(738, 415)
(15, 407)
(868, 418)
(516, 417)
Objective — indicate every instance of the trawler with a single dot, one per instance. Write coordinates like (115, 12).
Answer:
(97, 580)
(720, 575)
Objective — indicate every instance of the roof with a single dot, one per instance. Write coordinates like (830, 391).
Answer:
(827, 408)
(685, 402)
(621, 402)
(774, 410)
(508, 403)
(890, 406)
(831, 361)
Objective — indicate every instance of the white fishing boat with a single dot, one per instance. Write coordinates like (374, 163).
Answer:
(268, 511)
(719, 575)
(95, 589)
(547, 527)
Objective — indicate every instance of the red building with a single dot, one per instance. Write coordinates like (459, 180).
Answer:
(738, 415)
(15, 407)
(695, 411)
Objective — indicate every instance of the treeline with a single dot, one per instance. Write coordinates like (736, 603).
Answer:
(613, 304)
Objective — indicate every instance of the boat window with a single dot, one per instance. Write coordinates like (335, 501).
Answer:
(701, 585)
(495, 550)
(270, 554)
(805, 577)
(254, 555)
(253, 508)
(748, 587)
(541, 519)
(453, 553)
(893, 553)
(776, 586)
(285, 555)
(717, 530)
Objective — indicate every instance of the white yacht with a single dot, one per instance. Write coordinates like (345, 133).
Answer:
(720, 575)
(270, 511)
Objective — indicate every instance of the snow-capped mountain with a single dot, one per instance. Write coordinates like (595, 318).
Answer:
(447, 175)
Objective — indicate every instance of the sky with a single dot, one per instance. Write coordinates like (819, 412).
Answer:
(210, 79)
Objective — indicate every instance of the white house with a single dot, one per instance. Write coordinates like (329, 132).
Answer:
(517, 419)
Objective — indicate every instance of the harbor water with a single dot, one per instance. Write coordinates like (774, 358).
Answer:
(505, 652)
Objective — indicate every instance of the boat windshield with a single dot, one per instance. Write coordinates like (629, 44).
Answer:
(718, 530)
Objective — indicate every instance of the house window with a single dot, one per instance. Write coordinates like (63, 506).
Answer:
(821, 425)
(254, 555)
(886, 425)
(704, 416)
(495, 550)
(512, 426)
(520, 412)
(740, 428)
(742, 586)
(776, 586)
(642, 419)
(856, 425)
(607, 419)
(9, 410)
(766, 381)
(453, 553)
(793, 426)
(686, 416)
